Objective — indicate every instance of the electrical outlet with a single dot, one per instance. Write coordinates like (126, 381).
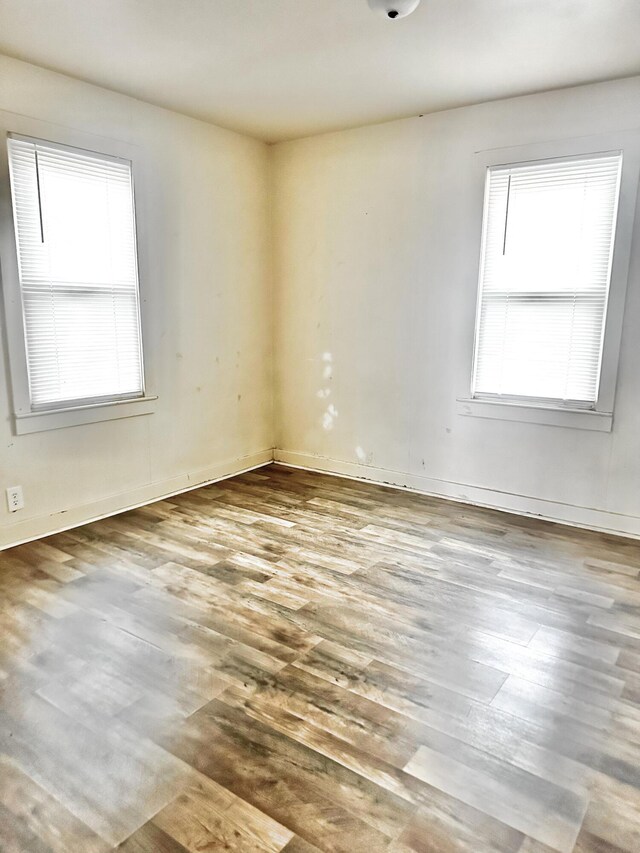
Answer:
(15, 498)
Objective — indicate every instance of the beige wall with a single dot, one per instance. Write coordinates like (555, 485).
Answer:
(202, 214)
(377, 234)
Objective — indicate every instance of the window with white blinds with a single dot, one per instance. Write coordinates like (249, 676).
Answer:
(75, 232)
(548, 237)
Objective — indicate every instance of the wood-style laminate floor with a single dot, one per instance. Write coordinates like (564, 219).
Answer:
(291, 661)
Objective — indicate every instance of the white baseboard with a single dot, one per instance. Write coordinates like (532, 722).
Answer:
(35, 528)
(575, 516)
(562, 513)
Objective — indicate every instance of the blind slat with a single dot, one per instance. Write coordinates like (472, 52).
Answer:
(75, 231)
(548, 236)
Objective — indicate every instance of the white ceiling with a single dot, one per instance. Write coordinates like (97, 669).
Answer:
(279, 69)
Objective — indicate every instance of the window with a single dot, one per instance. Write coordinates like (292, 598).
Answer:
(75, 234)
(548, 237)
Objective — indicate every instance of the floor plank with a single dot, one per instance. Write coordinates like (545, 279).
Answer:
(288, 661)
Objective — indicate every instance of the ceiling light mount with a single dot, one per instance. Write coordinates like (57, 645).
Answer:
(393, 9)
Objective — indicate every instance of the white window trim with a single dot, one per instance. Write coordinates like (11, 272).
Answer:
(601, 416)
(25, 418)
(41, 421)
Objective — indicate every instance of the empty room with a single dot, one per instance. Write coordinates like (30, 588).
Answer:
(319, 426)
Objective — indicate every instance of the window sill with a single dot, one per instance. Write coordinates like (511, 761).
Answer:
(78, 415)
(529, 413)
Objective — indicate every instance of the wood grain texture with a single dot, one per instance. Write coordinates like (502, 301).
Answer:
(289, 661)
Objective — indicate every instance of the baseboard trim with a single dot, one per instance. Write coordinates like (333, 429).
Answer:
(36, 528)
(587, 518)
(571, 515)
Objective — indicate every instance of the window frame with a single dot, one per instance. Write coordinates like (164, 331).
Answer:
(27, 418)
(600, 416)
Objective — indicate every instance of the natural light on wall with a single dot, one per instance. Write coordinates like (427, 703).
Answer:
(75, 228)
(548, 238)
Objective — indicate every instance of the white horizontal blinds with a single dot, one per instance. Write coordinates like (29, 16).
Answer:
(548, 241)
(78, 273)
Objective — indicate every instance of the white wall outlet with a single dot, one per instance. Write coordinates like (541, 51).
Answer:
(15, 498)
